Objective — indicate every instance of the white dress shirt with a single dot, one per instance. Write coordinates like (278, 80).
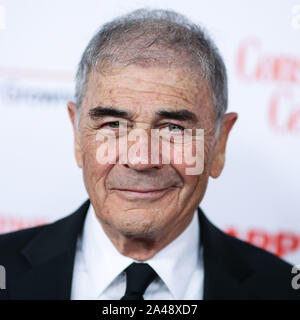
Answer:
(99, 267)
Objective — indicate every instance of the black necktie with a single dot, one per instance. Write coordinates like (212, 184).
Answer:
(138, 278)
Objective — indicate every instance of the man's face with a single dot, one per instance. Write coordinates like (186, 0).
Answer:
(140, 199)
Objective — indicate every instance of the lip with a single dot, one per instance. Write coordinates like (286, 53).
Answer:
(134, 194)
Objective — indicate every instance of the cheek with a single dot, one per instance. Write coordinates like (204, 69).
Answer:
(194, 184)
(189, 157)
(94, 170)
(190, 181)
(190, 161)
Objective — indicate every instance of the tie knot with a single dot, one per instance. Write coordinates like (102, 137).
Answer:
(138, 278)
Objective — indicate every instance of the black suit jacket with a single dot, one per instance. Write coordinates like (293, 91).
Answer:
(39, 263)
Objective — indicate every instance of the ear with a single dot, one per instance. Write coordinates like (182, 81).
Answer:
(218, 159)
(77, 149)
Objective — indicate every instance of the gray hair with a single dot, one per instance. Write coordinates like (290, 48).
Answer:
(155, 37)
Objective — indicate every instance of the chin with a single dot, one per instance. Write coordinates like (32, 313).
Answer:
(138, 228)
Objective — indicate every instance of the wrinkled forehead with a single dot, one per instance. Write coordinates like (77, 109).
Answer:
(155, 86)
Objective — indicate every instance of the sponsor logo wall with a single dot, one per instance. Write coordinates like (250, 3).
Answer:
(257, 196)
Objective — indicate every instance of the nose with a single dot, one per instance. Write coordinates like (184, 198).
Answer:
(140, 155)
(142, 166)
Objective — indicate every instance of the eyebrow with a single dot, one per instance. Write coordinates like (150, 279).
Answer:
(183, 115)
(100, 112)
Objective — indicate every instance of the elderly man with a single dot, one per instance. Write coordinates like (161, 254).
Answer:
(141, 234)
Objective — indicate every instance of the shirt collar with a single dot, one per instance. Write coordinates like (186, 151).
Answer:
(104, 262)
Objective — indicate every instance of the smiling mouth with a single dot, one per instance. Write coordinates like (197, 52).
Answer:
(152, 194)
(142, 191)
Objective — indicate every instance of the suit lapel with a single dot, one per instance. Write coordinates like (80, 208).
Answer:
(50, 260)
(225, 271)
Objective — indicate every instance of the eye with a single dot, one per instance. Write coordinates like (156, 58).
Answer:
(113, 124)
(118, 124)
(174, 127)
(171, 130)
(113, 128)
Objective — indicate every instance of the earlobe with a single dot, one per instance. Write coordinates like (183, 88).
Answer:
(218, 160)
(77, 149)
(217, 166)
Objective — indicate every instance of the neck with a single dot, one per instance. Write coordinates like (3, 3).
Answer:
(142, 248)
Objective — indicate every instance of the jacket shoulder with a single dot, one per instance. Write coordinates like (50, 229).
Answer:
(261, 273)
(18, 239)
(272, 276)
(227, 245)
(14, 241)
(260, 259)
